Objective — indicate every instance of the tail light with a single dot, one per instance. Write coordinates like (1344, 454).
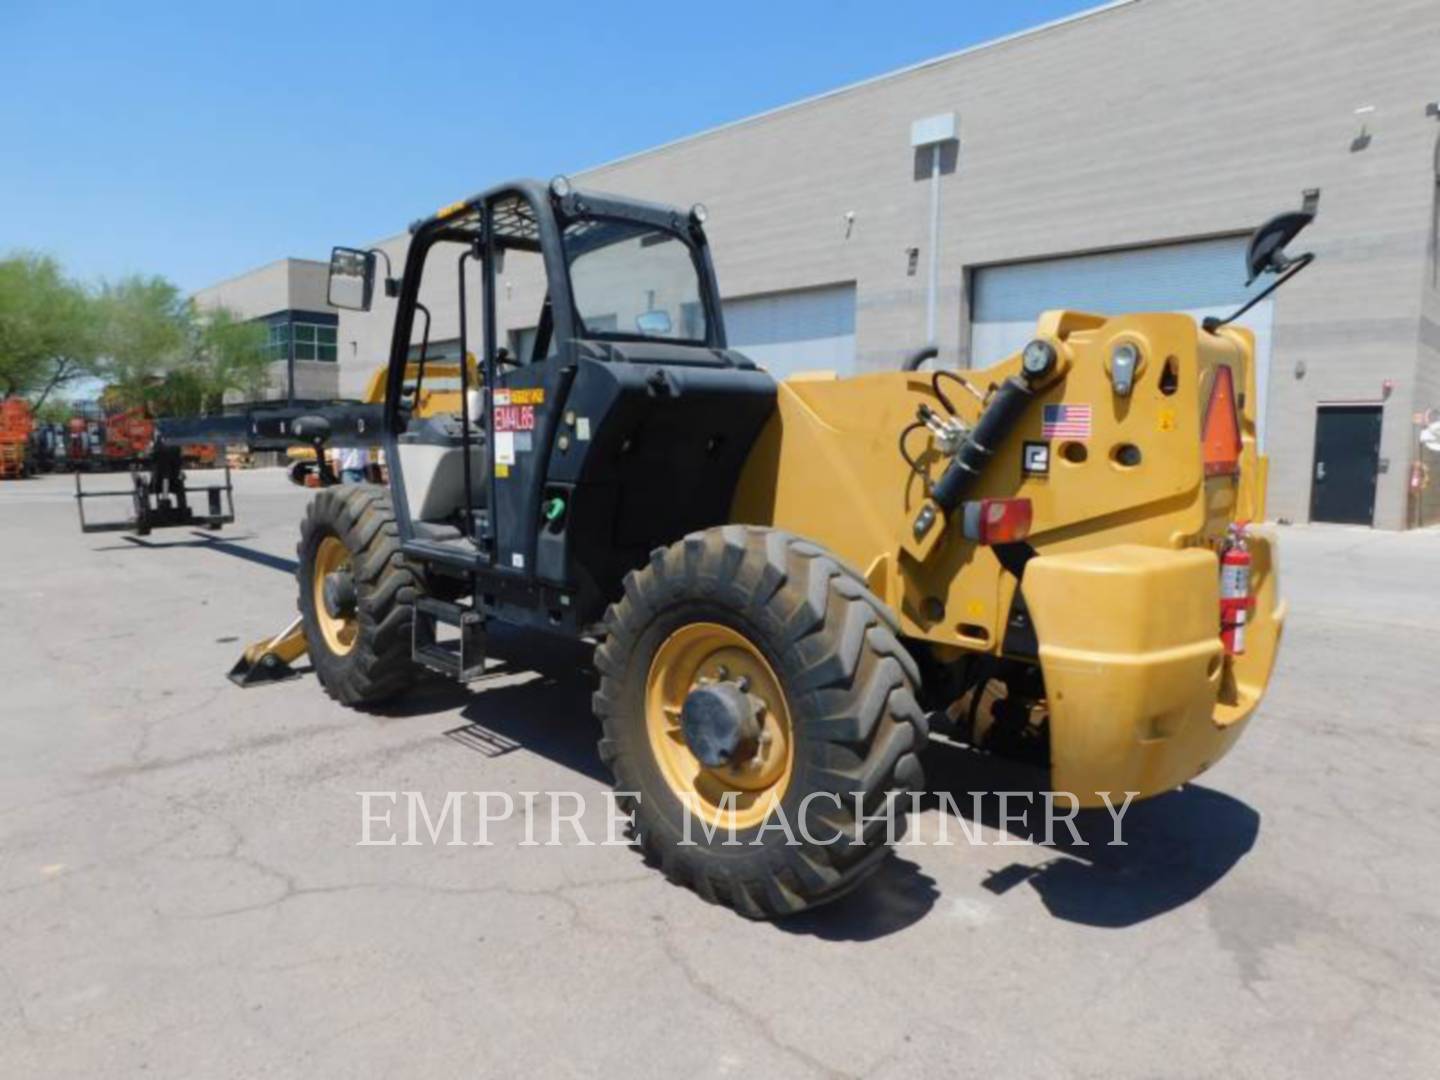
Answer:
(997, 521)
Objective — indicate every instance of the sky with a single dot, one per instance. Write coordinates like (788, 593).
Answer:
(200, 140)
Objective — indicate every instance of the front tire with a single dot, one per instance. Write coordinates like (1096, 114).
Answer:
(361, 649)
(782, 623)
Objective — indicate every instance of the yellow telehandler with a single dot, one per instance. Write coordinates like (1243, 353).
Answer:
(789, 581)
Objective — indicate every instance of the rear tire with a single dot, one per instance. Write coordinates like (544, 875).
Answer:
(368, 659)
(849, 694)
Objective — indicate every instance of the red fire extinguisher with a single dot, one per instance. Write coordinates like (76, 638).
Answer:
(1235, 599)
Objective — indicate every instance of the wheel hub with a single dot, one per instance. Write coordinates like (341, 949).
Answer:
(721, 723)
(333, 595)
(338, 592)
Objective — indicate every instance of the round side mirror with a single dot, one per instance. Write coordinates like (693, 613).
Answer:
(1266, 253)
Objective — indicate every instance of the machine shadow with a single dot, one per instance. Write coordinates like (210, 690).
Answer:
(1176, 846)
(133, 542)
(226, 546)
(249, 554)
(896, 896)
(549, 715)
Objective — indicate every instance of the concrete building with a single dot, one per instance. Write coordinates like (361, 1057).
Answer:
(1110, 161)
(288, 297)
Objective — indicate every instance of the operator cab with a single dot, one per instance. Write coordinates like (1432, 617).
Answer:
(605, 416)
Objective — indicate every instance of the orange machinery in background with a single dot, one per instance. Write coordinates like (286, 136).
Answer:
(128, 435)
(16, 423)
(204, 456)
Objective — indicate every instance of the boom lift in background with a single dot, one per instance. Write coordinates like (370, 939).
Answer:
(16, 426)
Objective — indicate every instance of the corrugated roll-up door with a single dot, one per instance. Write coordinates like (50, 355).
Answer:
(803, 330)
(1204, 277)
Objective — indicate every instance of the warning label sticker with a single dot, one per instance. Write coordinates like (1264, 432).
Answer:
(531, 395)
(515, 408)
(504, 448)
(514, 417)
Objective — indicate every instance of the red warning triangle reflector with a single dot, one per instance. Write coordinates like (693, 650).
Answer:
(1221, 432)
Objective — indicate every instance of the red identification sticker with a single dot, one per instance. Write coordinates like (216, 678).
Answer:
(515, 418)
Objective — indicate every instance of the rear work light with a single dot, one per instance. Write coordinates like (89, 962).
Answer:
(997, 521)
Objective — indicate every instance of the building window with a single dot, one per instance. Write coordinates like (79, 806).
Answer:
(278, 347)
(314, 342)
(311, 340)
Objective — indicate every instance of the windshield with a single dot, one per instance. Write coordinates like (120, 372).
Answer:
(633, 281)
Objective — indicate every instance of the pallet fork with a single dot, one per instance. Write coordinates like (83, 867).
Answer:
(161, 498)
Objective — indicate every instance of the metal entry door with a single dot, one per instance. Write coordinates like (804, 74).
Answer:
(1347, 462)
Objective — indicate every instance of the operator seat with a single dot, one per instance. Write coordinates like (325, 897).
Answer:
(433, 464)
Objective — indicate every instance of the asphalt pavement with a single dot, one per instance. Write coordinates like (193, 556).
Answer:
(183, 891)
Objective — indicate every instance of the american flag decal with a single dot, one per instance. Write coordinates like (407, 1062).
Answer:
(1066, 422)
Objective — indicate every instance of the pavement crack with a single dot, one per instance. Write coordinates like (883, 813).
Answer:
(753, 1021)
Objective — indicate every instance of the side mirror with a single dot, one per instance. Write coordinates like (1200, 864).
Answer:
(1266, 253)
(352, 279)
(653, 323)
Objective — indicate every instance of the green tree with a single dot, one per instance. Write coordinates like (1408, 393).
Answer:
(163, 353)
(49, 328)
(145, 331)
(233, 352)
(54, 411)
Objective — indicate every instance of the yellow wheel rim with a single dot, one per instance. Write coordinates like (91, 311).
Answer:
(339, 633)
(741, 794)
